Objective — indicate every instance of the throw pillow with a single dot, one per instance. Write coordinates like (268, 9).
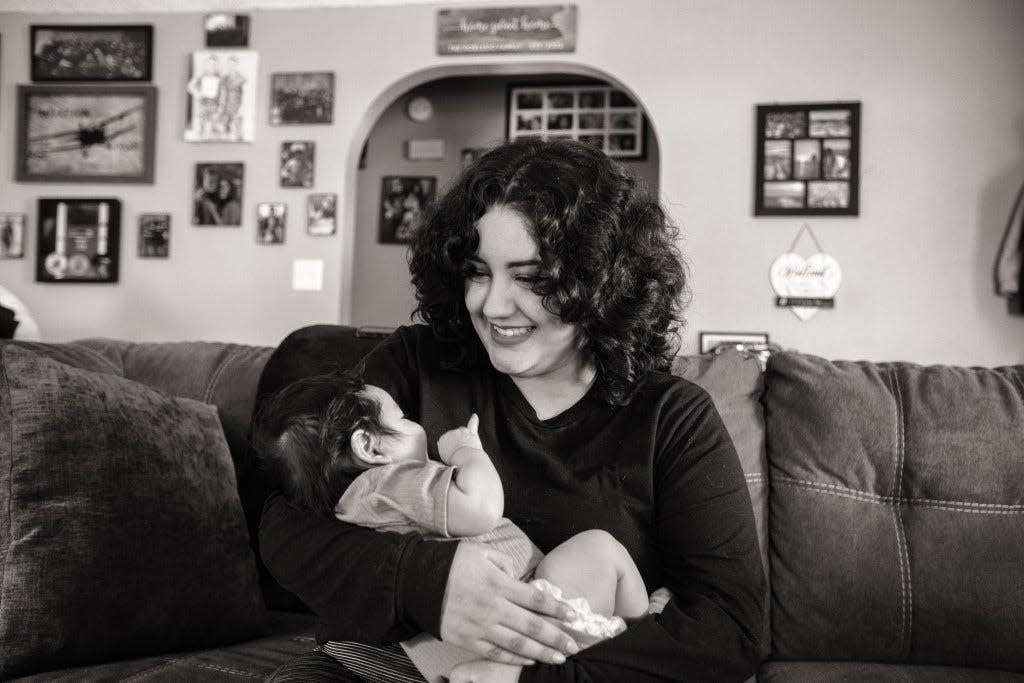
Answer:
(121, 532)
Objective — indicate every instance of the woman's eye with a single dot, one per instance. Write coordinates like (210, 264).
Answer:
(529, 279)
(471, 273)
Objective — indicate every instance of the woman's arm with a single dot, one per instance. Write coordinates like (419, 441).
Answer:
(710, 630)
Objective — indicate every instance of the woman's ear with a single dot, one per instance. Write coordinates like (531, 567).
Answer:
(366, 448)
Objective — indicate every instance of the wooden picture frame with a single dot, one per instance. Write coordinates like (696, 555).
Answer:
(70, 52)
(78, 240)
(86, 134)
(602, 115)
(808, 160)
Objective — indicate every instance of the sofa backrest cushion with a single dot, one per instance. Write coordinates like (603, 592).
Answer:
(896, 513)
(122, 532)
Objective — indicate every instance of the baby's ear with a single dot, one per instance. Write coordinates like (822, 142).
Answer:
(366, 448)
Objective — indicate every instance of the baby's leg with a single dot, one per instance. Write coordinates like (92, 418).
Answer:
(595, 566)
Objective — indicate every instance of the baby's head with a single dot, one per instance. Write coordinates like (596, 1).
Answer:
(316, 434)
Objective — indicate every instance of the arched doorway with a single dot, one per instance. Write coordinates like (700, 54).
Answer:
(468, 110)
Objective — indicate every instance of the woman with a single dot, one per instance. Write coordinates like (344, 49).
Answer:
(550, 290)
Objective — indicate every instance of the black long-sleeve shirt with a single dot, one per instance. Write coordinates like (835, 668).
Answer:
(660, 474)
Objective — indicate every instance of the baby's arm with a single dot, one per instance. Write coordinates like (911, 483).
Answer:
(476, 500)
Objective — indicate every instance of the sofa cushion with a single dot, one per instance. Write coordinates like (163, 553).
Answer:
(873, 672)
(896, 512)
(121, 532)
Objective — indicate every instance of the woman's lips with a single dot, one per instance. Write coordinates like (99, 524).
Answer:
(509, 335)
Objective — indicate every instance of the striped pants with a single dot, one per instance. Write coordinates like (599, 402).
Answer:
(363, 664)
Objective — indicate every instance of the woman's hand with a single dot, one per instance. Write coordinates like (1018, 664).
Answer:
(498, 617)
(485, 671)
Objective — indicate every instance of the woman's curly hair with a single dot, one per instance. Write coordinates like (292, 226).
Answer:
(609, 260)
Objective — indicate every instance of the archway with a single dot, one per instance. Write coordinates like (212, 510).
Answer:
(470, 104)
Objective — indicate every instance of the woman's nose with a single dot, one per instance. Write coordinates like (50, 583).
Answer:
(498, 302)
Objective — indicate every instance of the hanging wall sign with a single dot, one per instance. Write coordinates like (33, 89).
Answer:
(805, 285)
(490, 30)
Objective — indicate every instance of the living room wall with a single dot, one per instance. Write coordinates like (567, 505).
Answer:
(942, 137)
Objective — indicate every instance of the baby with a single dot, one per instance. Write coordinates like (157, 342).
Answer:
(342, 448)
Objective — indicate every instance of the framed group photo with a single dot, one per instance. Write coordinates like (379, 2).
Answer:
(92, 53)
(808, 160)
(302, 98)
(79, 240)
(403, 202)
(94, 134)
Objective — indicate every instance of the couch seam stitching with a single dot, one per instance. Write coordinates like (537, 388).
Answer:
(906, 586)
(869, 497)
(215, 378)
(139, 675)
(215, 667)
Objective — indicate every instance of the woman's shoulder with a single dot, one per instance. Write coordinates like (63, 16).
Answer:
(663, 386)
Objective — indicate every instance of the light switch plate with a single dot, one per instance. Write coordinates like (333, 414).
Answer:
(308, 275)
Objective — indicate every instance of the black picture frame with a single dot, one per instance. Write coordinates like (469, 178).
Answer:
(80, 243)
(53, 150)
(808, 159)
(66, 52)
(154, 235)
(224, 29)
(302, 98)
(403, 200)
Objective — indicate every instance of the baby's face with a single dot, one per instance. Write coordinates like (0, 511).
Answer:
(409, 441)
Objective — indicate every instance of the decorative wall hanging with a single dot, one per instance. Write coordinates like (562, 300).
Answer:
(79, 134)
(92, 53)
(297, 164)
(302, 98)
(226, 30)
(79, 240)
(490, 30)
(217, 196)
(12, 235)
(271, 218)
(808, 160)
(805, 285)
(1009, 265)
(403, 200)
(321, 214)
(222, 96)
(154, 235)
(599, 115)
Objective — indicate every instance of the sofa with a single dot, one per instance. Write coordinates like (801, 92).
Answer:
(889, 501)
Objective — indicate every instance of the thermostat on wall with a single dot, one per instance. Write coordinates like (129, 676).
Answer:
(420, 109)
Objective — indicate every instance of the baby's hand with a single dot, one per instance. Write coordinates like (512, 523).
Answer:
(460, 437)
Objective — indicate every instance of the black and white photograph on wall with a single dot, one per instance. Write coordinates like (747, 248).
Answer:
(78, 240)
(226, 30)
(91, 133)
(12, 235)
(807, 160)
(297, 164)
(92, 53)
(302, 98)
(270, 222)
(154, 235)
(222, 96)
(403, 202)
(321, 214)
(217, 196)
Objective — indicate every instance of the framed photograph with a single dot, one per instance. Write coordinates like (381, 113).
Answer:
(599, 115)
(217, 197)
(321, 214)
(12, 235)
(808, 160)
(711, 341)
(270, 222)
(402, 203)
(79, 240)
(226, 30)
(222, 96)
(154, 235)
(86, 134)
(86, 52)
(302, 98)
(297, 164)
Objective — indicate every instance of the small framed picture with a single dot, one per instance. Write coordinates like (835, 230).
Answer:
(712, 341)
(154, 235)
(402, 205)
(12, 235)
(222, 96)
(92, 53)
(217, 194)
(79, 240)
(271, 218)
(86, 134)
(321, 214)
(226, 30)
(302, 98)
(808, 160)
(297, 164)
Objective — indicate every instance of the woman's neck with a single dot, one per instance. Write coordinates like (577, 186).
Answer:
(552, 394)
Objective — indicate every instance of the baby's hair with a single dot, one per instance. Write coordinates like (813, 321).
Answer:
(301, 437)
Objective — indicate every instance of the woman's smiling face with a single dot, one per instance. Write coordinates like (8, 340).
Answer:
(522, 338)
